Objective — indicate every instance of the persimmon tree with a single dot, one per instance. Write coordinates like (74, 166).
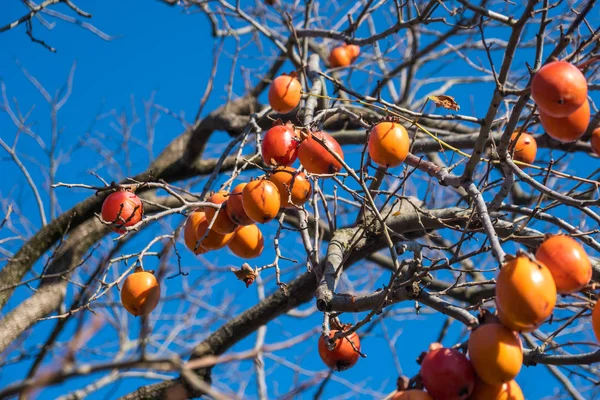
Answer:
(427, 161)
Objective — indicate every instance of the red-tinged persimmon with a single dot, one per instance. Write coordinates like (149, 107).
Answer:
(595, 141)
(291, 184)
(122, 209)
(343, 355)
(285, 93)
(496, 353)
(223, 224)
(235, 206)
(353, 51)
(315, 158)
(525, 148)
(596, 320)
(567, 261)
(412, 394)
(261, 200)
(559, 88)
(525, 294)
(189, 232)
(140, 293)
(447, 374)
(388, 144)
(280, 145)
(569, 128)
(247, 242)
(339, 57)
(505, 391)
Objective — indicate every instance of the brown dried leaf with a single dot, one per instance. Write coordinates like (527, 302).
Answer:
(245, 274)
(446, 102)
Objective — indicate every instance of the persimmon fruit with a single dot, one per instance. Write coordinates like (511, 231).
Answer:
(291, 184)
(122, 209)
(140, 293)
(525, 148)
(353, 51)
(261, 200)
(223, 224)
(567, 129)
(412, 394)
(318, 160)
(567, 261)
(525, 294)
(235, 206)
(211, 241)
(340, 57)
(247, 242)
(343, 355)
(595, 141)
(496, 353)
(190, 232)
(388, 144)
(596, 320)
(447, 374)
(280, 145)
(285, 93)
(505, 391)
(559, 89)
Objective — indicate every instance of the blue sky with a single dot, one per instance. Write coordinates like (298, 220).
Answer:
(159, 51)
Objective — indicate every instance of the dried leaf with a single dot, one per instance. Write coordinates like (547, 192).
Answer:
(446, 102)
(245, 274)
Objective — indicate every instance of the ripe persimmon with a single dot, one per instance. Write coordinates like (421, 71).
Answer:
(121, 209)
(595, 141)
(291, 183)
(412, 394)
(496, 353)
(343, 355)
(212, 241)
(447, 374)
(559, 88)
(189, 232)
(353, 51)
(339, 57)
(318, 160)
(140, 293)
(569, 128)
(388, 144)
(285, 93)
(235, 207)
(525, 148)
(506, 391)
(525, 294)
(247, 242)
(223, 224)
(261, 200)
(280, 145)
(596, 320)
(567, 261)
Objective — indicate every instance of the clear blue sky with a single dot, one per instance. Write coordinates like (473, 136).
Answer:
(160, 50)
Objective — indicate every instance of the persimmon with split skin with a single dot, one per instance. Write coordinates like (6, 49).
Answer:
(505, 391)
(595, 141)
(317, 159)
(388, 144)
(339, 57)
(247, 242)
(567, 129)
(559, 89)
(526, 147)
(496, 353)
(343, 355)
(235, 206)
(122, 208)
(567, 261)
(412, 394)
(223, 224)
(285, 93)
(280, 145)
(447, 374)
(291, 184)
(261, 200)
(140, 293)
(525, 294)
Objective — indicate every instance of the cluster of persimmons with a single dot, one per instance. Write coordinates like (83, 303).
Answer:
(526, 285)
